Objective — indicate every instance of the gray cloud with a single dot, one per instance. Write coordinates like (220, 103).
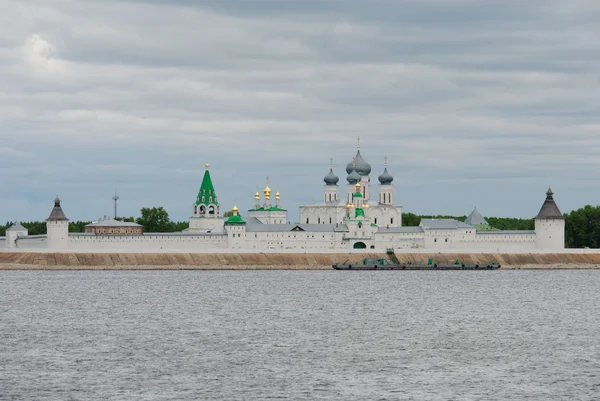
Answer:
(474, 102)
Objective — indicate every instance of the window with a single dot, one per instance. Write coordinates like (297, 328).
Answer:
(392, 220)
(307, 220)
(330, 220)
(375, 220)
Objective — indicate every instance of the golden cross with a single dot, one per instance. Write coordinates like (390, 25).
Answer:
(331, 162)
(385, 161)
(358, 143)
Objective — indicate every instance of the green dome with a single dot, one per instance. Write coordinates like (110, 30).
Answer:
(237, 219)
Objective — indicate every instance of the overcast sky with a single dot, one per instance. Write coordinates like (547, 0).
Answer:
(476, 103)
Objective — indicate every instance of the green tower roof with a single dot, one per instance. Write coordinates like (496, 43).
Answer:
(207, 195)
(359, 212)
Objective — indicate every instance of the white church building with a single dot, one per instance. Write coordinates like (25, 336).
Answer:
(358, 216)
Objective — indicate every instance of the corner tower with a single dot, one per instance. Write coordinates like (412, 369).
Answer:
(57, 227)
(550, 225)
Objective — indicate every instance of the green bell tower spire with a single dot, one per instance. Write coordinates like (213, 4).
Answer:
(207, 204)
(206, 194)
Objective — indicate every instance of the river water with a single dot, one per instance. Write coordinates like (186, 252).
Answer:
(301, 335)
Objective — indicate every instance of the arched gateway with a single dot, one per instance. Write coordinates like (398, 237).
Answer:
(360, 245)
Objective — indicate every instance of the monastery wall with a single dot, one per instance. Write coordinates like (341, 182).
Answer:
(147, 242)
(69, 260)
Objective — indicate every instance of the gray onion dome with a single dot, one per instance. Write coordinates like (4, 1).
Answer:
(360, 165)
(353, 177)
(386, 178)
(331, 179)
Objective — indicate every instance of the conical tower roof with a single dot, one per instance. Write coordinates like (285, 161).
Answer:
(16, 227)
(206, 194)
(549, 209)
(475, 218)
(57, 213)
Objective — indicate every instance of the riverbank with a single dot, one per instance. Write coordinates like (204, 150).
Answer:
(278, 261)
(16, 266)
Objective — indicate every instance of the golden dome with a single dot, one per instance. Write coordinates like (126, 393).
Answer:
(207, 165)
(366, 206)
(267, 190)
(257, 195)
(348, 206)
(357, 185)
(235, 208)
(277, 195)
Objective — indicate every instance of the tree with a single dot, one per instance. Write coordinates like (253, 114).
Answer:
(78, 226)
(410, 220)
(155, 220)
(582, 227)
(180, 225)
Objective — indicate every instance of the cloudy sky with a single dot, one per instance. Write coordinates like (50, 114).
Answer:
(476, 103)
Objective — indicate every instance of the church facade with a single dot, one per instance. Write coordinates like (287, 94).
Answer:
(358, 216)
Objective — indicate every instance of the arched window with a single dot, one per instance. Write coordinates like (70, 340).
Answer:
(202, 209)
(319, 220)
(330, 220)
(392, 220)
(307, 220)
(375, 220)
(211, 210)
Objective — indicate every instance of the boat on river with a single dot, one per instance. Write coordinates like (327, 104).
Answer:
(395, 264)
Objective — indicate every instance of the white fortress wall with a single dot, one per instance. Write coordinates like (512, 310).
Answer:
(148, 242)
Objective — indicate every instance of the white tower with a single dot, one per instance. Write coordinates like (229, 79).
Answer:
(235, 227)
(331, 185)
(13, 233)
(57, 227)
(550, 225)
(386, 189)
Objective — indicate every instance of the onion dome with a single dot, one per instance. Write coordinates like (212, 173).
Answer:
(353, 177)
(359, 164)
(386, 178)
(235, 209)
(277, 196)
(257, 195)
(331, 179)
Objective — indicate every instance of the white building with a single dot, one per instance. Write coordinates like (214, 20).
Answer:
(360, 217)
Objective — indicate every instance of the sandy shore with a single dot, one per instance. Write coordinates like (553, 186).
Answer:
(18, 266)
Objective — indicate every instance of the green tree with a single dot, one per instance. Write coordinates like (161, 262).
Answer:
(155, 220)
(410, 220)
(582, 227)
(78, 226)
(180, 225)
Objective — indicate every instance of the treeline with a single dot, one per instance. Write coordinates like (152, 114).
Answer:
(153, 220)
(582, 226)
(500, 223)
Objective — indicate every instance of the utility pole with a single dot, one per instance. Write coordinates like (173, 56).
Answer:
(115, 198)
